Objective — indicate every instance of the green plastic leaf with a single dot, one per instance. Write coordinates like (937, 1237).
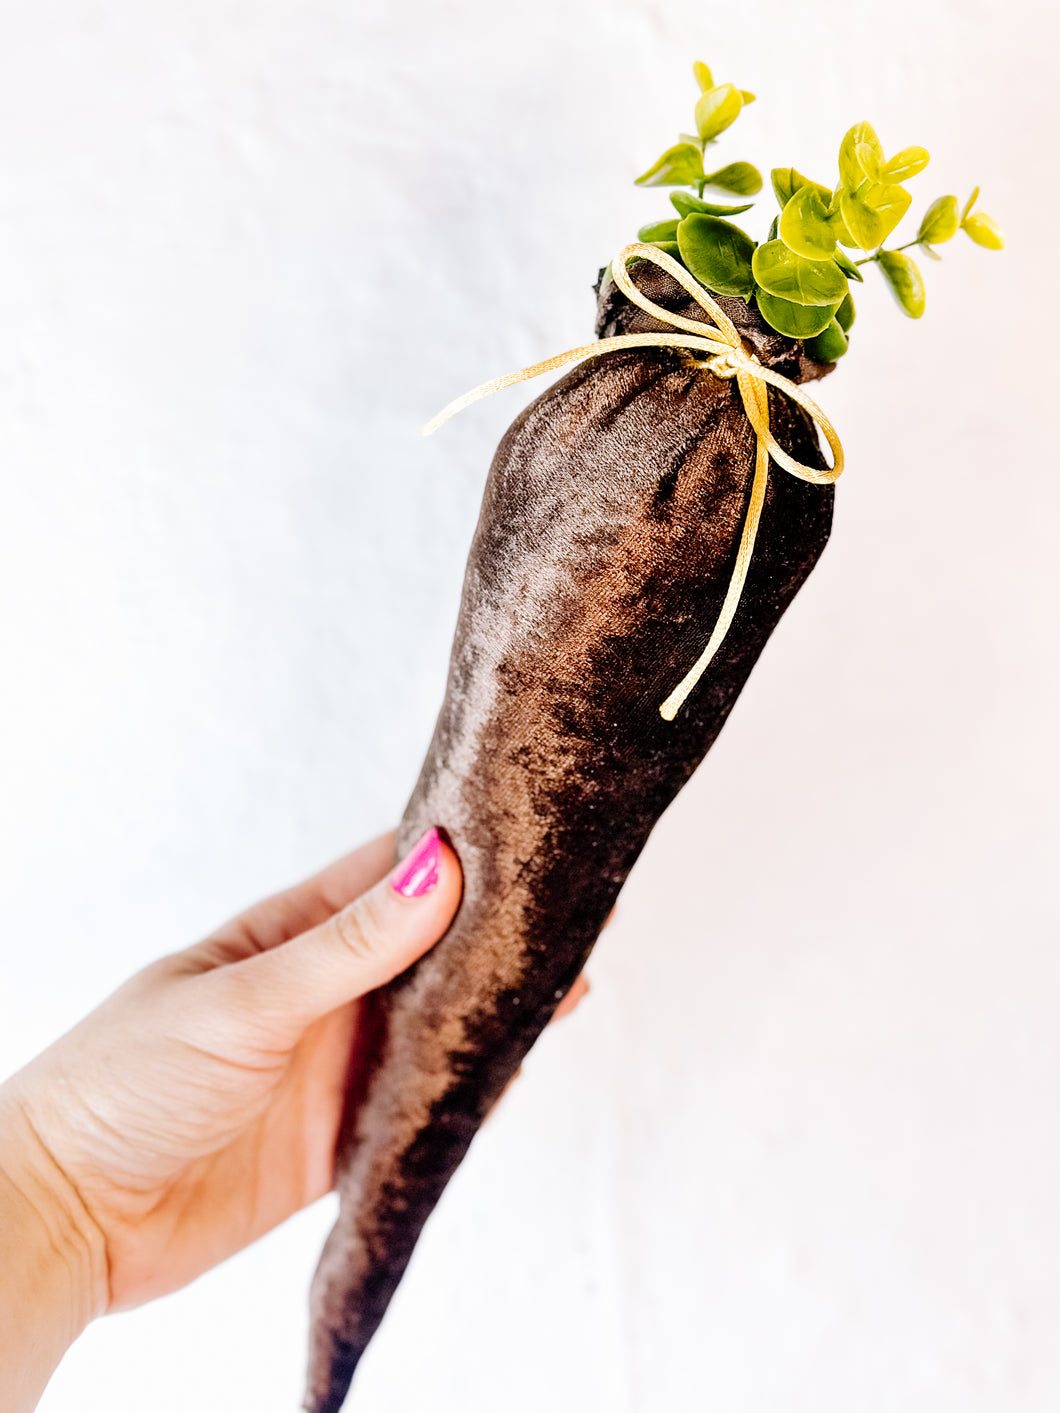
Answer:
(872, 211)
(747, 97)
(798, 321)
(716, 110)
(784, 183)
(788, 276)
(905, 164)
(845, 314)
(835, 215)
(905, 280)
(678, 166)
(703, 76)
(741, 178)
(658, 230)
(969, 204)
(984, 230)
(868, 159)
(940, 222)
(848, 267)
(684, 203)
(804, 226)
(851, 172)
(774, 228)
(717, 253)
(787, 181)
(829, 345)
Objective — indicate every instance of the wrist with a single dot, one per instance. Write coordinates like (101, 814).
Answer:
(53, 1273)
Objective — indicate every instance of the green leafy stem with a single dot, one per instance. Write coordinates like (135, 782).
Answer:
(800, 276)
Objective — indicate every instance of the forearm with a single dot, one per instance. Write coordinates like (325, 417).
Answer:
(52, 1263)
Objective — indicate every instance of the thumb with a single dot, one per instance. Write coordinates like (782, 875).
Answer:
(364, 946)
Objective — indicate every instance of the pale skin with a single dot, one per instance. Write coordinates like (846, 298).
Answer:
(196, 1109)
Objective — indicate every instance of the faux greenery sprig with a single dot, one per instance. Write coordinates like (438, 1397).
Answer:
(800, 276)
(718, 108)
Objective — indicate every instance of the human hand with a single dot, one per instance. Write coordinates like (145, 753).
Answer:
(198, 1107)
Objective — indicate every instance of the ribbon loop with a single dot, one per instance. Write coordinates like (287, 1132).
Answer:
(728, 358)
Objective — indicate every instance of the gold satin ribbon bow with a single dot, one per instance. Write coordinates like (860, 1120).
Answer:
(728, 359)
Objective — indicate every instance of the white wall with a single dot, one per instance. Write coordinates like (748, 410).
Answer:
(800, 1150)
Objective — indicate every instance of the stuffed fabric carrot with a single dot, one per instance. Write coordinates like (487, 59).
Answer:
(607, 539)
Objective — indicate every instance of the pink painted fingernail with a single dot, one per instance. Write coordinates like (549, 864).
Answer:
(419, 872)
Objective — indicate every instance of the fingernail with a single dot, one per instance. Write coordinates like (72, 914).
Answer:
(419, 872)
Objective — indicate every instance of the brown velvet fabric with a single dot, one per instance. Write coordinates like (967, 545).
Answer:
(606, 541)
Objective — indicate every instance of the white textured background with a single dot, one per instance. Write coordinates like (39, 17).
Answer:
(800, 1150)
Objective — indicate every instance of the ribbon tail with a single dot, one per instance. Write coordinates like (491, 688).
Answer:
(509, 380)
(676, 700)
